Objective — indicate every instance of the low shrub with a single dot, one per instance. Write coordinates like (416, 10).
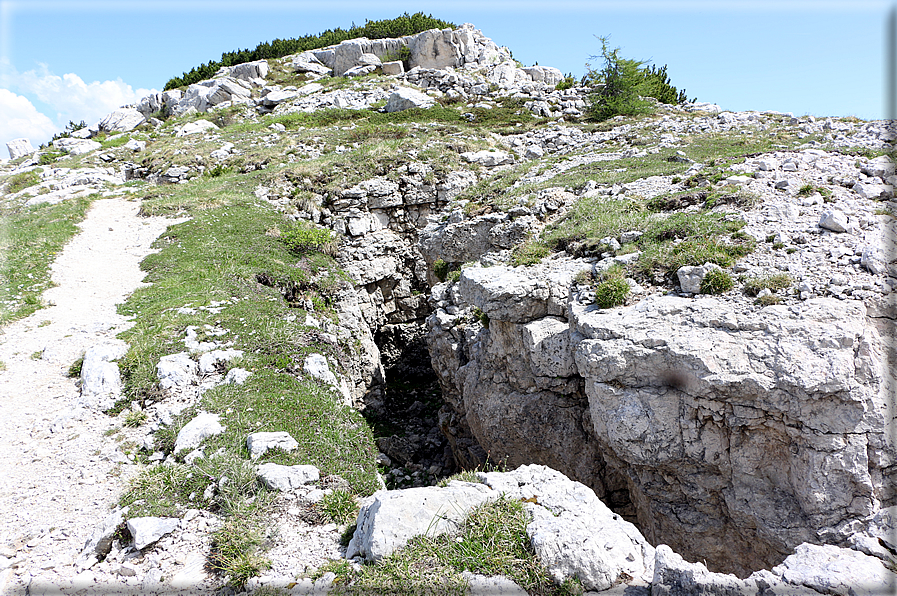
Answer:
(716, 281)
(440, 269)
(529, 253)
(776, 282)
(612, 289)
(303, 238)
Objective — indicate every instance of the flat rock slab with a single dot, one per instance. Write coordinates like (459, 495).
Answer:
(259, 443)
(147, 530)
(389, 519)
(285, 478)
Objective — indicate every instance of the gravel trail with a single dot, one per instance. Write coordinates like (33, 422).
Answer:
(59, 474)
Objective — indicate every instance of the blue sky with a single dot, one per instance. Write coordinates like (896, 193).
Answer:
(79, 60)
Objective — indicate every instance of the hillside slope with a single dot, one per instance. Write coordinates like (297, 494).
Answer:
(406, 274)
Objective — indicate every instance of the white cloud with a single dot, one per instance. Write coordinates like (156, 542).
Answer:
(73, 99)
(19, 118)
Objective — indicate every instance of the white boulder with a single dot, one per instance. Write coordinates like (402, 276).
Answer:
(122, 120)
(259, 443)
(147, 530)
(389, 519)
(100, 379)
(405, 98)
(19, 147)
(194, 432)
(286, 478)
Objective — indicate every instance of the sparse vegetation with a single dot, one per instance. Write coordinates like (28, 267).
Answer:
(530, 252)
(493, 541)
(716, 281)
(339, 506)
(18, 182)
(774, 283)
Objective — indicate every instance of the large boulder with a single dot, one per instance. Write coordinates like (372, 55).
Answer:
(404, 98)
(19, 147)
(544, 74)
(76, 146)
(249, 70)
(572, 532)
(193, 433)
(387, 520)
(434, 49)
(733, 433)
(122, 120)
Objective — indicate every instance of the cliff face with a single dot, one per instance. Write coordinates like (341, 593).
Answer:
(731, 431)
(737, 433)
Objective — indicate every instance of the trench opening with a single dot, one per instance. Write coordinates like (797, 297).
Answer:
(413, 449)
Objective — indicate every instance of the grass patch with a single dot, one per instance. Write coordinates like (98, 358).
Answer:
(774, 283)
(612, 289)
(716, 281)
(30, 239)
(18, 182)
(668, 241)
(339, 506)
(492, 541)
(529, 253)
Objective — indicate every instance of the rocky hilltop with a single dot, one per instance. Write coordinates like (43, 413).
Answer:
(670, 337)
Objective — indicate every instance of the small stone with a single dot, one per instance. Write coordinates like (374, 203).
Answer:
(259, 443)
(834, 220)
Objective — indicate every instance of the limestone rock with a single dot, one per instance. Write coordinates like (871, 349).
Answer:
(249, 70)
(100, 541)
(236, 376)
(100, 379)
(834, 220)
(260, 443)
(880, 166)
(19, 147)
(308, 62)
(75, 146)
(316, 366)
(286, 478)
(204, 425)
(873, 191)
(122, 120)
(434, 49)
(504, 293)
(195, 127)
(481, 585)
(176, 370)
(488, 158)
(389, 519)
(673, 576)
(828, 569)
(209, 362)
(392, 68)
(147, 530)
(404, 98)
(691, 276)
(573, 533)
(544, 74)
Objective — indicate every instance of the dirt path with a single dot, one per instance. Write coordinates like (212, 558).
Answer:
(59, 474)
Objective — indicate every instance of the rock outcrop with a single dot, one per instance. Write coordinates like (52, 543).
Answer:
(739, 432)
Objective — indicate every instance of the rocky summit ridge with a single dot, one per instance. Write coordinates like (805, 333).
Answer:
(733, 406)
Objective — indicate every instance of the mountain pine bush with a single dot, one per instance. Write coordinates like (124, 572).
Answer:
(620, 88)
